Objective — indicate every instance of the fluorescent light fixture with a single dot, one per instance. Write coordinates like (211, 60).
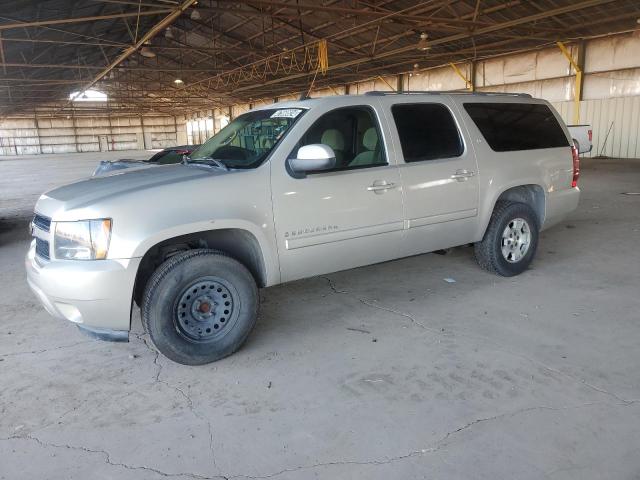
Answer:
(423, 43)
(88, 96)
(147, 52)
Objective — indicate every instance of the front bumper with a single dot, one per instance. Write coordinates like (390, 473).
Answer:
(95, 294)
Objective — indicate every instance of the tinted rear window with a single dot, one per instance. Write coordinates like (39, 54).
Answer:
(517, 126)
(427, 131)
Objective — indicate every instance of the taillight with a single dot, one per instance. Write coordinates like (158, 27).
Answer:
(576, 167)
(590, 135)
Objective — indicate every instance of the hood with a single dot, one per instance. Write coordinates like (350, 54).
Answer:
(108, 166)
(102, 188)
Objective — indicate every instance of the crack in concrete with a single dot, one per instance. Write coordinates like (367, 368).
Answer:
(579, 380)
(498, 347)
(180, 391)
(626, 401)
(377, 305)
(58, 420)
(109, 461)
(442, 442)
(435, 447)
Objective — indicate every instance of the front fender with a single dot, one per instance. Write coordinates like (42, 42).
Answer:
(269, 256)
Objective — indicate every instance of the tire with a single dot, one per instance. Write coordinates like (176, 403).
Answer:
(502, 250)
(199, 306)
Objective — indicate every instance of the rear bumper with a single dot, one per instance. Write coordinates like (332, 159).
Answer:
(559, 205)
(96, 295)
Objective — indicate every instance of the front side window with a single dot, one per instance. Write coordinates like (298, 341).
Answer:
(249, 139)
(352, 133)
(427, 131)
(517, 126)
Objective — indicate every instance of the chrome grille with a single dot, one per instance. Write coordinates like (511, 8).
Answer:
(43, 223)
(40, 231)
(42, 248)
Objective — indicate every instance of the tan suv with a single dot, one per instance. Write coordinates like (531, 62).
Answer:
(294, 190)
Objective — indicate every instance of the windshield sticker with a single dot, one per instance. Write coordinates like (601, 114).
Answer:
(286, 113)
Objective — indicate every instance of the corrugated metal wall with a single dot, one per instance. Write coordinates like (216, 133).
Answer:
(25, 136)
(615, 123)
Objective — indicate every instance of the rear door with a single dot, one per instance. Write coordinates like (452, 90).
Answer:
(438, 170)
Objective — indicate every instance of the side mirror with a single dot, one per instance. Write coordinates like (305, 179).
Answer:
(313, 158)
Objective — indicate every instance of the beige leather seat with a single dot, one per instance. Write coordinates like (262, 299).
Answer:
(371, 154)
(333, 138)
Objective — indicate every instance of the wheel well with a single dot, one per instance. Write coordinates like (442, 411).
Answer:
(239, 244)
(532, 195)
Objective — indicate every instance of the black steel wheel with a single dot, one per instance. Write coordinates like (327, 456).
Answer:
(205, 310)
(199, 306)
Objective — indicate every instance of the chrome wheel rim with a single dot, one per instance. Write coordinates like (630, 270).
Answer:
(516, 240)
(205, 310)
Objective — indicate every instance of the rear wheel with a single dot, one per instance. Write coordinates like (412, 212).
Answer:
(510, 241)
(199, 306)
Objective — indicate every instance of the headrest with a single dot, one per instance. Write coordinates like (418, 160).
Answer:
(333, 138)
(370, 139)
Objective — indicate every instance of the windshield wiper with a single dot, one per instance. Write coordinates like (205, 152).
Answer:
(206, 161)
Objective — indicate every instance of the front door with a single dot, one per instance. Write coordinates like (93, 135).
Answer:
(438, 171)
(341, 218)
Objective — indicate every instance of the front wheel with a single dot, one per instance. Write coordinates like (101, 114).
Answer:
(199, 306)
(510, 241)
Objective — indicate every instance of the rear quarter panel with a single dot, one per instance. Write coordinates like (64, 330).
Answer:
(551, 168)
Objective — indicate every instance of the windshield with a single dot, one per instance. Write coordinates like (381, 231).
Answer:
(247, 141)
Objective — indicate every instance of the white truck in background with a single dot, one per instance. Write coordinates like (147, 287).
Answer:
(582, 136)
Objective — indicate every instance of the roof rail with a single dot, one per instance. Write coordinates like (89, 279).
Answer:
(377, 93)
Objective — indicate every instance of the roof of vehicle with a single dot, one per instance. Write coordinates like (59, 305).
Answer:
(310, 102)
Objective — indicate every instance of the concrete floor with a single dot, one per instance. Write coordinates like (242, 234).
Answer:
(384, 372)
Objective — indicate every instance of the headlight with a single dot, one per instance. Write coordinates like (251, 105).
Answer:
(82, 240)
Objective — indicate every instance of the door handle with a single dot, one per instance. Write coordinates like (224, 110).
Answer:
(376, 187)
(462, 175)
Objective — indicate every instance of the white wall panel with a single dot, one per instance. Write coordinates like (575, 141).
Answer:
(444, 78)
(490, 72)
(615, 123)
(612, 53)
(620, 83)
(551, 63)
(364, 87)
(520, 68)
(20, 136)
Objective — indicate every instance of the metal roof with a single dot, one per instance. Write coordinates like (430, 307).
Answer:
(227, 52)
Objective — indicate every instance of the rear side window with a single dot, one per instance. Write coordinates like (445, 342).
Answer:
(427, 131)
(517, 126)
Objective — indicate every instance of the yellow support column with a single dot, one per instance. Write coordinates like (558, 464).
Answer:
(577, 94)
(388, 84)
(467, 83)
